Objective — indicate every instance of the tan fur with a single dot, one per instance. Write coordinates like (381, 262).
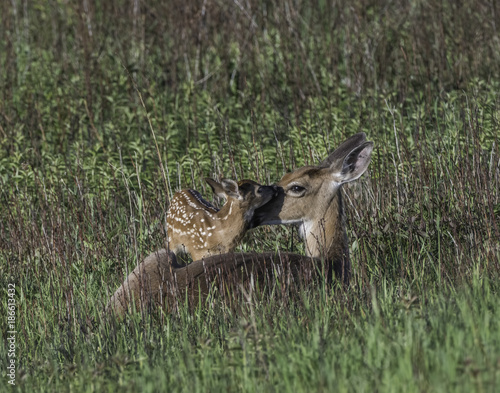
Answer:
(309, 197)
(318, 213)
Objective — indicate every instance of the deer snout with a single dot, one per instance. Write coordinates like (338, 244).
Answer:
(262, 189)
(269, 211)
(268, 191)
(265, 189)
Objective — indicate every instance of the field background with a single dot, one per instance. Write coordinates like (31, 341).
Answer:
(108, 107)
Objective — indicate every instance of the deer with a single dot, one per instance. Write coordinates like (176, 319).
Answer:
(196, 227)
(309, 197)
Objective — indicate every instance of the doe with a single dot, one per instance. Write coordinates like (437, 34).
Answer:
(310, 197)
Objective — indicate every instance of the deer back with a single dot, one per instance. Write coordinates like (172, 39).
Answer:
(155, 282)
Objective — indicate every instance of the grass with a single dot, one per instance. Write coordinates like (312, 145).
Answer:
(110, 110)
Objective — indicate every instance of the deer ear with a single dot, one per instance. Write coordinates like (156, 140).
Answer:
(353, 164)
(230, 188)
(338, 155)
(216, 188)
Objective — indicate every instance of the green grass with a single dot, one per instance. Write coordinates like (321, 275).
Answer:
(109, 111)
(445, 339)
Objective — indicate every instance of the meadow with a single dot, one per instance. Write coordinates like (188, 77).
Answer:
(108, 108)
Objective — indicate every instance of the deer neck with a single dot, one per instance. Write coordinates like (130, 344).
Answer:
(229, 218)
(325, 235)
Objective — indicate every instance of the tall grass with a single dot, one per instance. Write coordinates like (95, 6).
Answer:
(107, 108)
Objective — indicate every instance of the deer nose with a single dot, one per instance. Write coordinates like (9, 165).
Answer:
(264, 189)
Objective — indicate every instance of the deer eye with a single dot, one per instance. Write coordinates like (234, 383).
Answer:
(296, 189)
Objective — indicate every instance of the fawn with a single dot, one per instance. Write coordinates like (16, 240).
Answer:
(196, 227)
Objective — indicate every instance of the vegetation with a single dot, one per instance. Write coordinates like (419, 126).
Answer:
(107, 108)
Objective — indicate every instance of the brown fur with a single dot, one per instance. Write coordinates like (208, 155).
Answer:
(309, 197)
(156, 283)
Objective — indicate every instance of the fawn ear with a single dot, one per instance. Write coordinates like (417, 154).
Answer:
(226, 188)
(230, 188)
(216, 187)
(353, 164)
